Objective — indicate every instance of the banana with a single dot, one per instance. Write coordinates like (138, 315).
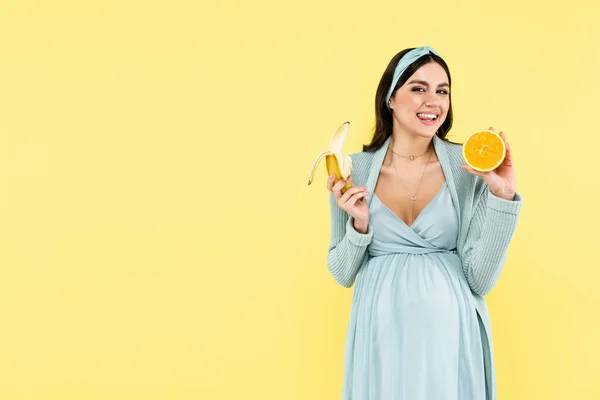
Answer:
(336, 161)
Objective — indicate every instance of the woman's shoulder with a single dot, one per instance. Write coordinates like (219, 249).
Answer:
(453, 148)
(454, 154)
(361, 157)
(361, 163)
(466, 183)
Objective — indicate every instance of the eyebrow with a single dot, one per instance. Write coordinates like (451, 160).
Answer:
(427, 84)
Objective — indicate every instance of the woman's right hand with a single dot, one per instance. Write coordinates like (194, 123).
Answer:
(353, 201)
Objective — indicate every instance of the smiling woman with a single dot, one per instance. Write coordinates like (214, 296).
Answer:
(392, 80)
(423, 239)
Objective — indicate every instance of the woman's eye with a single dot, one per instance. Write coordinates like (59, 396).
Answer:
(418, 89)
(442, 91)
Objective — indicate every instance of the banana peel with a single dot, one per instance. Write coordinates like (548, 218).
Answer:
(336, 162)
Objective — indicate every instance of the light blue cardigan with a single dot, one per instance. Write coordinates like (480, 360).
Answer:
(486, 226)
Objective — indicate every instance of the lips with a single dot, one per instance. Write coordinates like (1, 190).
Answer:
(428, 119)
(427, 116)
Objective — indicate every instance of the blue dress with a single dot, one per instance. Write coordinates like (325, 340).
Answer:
(413, 332)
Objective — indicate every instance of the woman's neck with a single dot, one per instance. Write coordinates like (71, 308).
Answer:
(409, 145)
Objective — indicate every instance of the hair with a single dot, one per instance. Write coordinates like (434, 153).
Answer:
(383, 115)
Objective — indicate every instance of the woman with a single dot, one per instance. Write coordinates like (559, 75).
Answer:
(423, 238)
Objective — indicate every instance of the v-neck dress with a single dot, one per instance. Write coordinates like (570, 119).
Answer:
(413, 331)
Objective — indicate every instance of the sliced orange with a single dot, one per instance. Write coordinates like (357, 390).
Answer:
(484, 150)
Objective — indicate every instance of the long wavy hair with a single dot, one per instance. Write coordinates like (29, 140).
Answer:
(383, 115)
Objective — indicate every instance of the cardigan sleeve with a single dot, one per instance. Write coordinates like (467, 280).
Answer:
(347, 248)
(490, 231)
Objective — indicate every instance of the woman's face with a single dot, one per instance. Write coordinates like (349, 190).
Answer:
(420, 106)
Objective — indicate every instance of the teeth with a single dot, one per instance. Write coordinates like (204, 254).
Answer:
(430, 116)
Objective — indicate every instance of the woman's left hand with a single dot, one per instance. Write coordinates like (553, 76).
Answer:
(502, 180)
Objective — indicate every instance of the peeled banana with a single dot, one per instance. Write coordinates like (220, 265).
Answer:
(336, 161)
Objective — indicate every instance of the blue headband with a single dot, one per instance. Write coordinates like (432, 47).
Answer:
(404, 63)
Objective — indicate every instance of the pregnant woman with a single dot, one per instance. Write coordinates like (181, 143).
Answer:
(423, 238)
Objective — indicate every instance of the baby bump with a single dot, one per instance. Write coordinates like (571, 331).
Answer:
(419, 291)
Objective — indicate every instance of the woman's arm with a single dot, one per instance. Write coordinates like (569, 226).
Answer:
(490, 231)
(492, 225)
(347, 248)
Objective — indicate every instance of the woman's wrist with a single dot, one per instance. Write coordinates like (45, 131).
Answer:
(361, 226)
(505, 194)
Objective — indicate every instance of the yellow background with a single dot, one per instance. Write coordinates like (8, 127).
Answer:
(158, 239)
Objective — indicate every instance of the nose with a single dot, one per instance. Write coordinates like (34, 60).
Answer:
(431, 101)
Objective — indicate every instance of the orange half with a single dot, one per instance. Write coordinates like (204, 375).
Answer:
(484, 150)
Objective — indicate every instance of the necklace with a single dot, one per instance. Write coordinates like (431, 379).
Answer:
(411, 157)
(412, 196)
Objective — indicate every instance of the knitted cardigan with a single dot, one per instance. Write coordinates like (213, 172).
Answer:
(486, 226)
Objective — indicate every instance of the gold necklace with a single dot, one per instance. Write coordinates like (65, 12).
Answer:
(413, 197)
(411, 157)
